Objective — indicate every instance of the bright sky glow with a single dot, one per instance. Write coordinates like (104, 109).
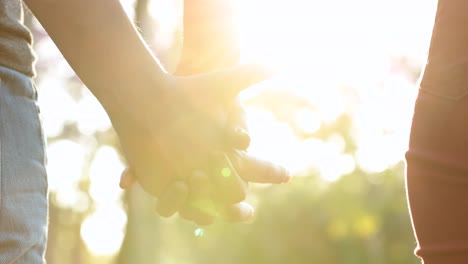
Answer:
(169, 16)
(91, 117)
(57, 106)
(309, 121)
(321, 46)
(104, 174)
(65, 169)
(103, 231)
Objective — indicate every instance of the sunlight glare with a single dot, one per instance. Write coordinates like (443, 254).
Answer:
(104, 174)
(103, 231)
(332, 162)
(309, 121)
(92, 117)
(57, 106)
(65, 171)
(327, 53)
(128, 6)
(271, 139)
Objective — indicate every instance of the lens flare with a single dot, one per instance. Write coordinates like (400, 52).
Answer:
(199, 232)
(226, 172)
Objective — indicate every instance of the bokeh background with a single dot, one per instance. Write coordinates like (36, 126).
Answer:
(337, 115)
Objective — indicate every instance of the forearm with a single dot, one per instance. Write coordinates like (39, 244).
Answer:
(211, 42)
(100, 43)
(211, 38)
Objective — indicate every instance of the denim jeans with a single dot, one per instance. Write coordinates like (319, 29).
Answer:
(23, 179)
(437, 173)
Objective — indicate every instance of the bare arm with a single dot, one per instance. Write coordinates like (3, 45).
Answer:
(167, 125)
(211, 37)
(103, 47)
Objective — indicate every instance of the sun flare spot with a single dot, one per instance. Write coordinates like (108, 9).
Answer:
(199, 232)
(226, 172)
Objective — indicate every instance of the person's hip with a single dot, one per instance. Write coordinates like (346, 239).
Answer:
(23, 179)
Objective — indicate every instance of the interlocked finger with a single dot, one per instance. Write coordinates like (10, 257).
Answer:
(200, 207)
(173, 199)
(230, 188)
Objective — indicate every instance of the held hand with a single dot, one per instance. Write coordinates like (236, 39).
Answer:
(225, 186)
(220, 193)
(206, 199)
(198, 198)
(176, 195)
(164, 142)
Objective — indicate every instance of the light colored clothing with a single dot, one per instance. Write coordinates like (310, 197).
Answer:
(23, 179)
(15, 39)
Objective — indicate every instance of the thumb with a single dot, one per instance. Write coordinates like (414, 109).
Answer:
(227, 83)
(127, 179)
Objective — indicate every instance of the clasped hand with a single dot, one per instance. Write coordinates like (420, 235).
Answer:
(185, 143)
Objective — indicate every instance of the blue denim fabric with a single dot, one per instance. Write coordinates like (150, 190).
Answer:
(23, 179)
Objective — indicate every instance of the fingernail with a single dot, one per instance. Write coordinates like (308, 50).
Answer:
(125, 183)
(247, 210)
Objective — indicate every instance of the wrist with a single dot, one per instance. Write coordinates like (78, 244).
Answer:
(139, 101)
